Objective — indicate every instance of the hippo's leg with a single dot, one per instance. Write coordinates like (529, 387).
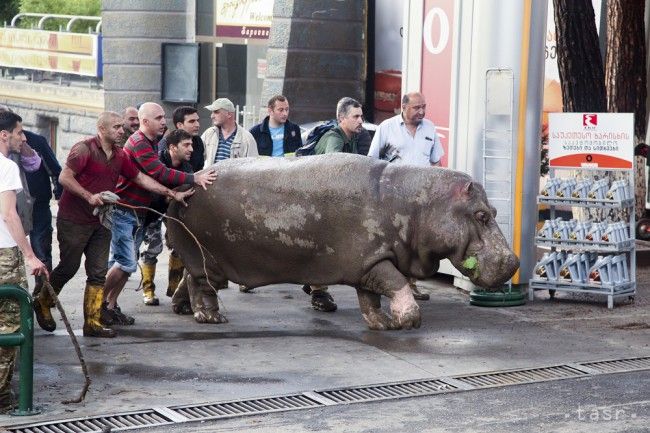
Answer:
(385, 279)
(370, 305)
(204, 300)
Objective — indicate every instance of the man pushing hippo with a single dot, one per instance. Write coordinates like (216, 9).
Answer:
(340, 219)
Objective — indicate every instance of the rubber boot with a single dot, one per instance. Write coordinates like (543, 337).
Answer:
(148, 286)
(93, 298)
(43, 302)
(175, 274)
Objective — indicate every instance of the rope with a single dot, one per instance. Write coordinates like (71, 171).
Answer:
(66, 322)
(75, 343)
(201, 247)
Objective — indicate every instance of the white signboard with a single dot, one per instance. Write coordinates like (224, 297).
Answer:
(594, 140)
(244, 19)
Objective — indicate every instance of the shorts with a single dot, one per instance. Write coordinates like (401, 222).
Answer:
(126, 237)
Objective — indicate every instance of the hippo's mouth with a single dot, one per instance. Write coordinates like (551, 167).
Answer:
(471, 267)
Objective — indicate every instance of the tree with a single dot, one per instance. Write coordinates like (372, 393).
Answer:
(622, 88)
(625, 75)
(63, 7)
(8, 10)
(579, 62)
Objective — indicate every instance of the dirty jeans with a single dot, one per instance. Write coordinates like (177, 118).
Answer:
(153, 239)
(12, 271)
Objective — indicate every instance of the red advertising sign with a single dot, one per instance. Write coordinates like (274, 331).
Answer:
(437, 47)
(594, 140)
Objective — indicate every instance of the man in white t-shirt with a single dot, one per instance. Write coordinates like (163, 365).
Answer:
(408, 138)
(14, 246)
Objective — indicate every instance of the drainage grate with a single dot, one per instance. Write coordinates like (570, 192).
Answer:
(126, 421)
(246, 407)
(619, 365)
(516, 377)
(386, 392)
(311, 399)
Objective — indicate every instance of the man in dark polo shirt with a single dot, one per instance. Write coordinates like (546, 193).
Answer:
(93, 166)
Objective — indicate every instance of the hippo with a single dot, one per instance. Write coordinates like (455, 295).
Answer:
(339, 219)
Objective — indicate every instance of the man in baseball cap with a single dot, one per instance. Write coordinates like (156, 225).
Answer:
(226, 139)
(222, 104)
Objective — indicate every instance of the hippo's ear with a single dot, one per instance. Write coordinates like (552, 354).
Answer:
(468, 189)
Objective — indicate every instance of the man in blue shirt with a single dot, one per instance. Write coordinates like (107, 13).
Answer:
(276, 135)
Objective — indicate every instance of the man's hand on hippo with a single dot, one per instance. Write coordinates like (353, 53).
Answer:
(180, 196)
(205, 178)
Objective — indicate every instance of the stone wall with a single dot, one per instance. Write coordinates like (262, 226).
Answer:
(63, 115)
(133, 31)
(317, 55)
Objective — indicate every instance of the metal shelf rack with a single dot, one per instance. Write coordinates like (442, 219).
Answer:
(625, 211)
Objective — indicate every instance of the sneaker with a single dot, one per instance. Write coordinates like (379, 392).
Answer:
(106, 315)
(120, 318)
(323, 301)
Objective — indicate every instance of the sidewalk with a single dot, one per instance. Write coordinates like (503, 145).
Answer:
(275, 344)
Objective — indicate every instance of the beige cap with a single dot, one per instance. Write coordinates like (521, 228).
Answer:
(221, 104)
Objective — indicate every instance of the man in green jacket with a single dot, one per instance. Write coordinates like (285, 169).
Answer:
(343, 138)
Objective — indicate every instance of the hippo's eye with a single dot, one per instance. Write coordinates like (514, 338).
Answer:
(482, 216)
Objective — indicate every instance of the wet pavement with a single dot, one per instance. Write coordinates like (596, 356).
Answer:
(276, 344)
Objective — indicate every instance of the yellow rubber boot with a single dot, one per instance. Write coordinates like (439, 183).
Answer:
(175, 274)
(93, 298)
(148, 286)
(42, 304)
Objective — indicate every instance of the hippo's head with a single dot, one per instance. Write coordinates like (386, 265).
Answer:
(468, 228)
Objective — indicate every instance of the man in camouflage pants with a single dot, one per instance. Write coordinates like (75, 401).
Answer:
(13, 246)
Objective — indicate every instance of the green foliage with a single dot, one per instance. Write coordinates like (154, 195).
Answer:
(8, 10)
(62, 7)
(470, 263)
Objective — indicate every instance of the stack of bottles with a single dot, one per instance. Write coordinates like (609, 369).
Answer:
(561, 230)
(583, 268)
(599, 189)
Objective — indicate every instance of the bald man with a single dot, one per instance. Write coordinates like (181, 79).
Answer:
(93, 166)
(127, 233)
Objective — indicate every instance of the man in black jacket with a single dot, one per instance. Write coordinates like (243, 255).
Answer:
(42, 183)
(276, 135)
(185, 118)
(177, 154)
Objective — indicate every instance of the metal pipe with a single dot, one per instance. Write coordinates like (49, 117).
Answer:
(44, 17)
(24, 338)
